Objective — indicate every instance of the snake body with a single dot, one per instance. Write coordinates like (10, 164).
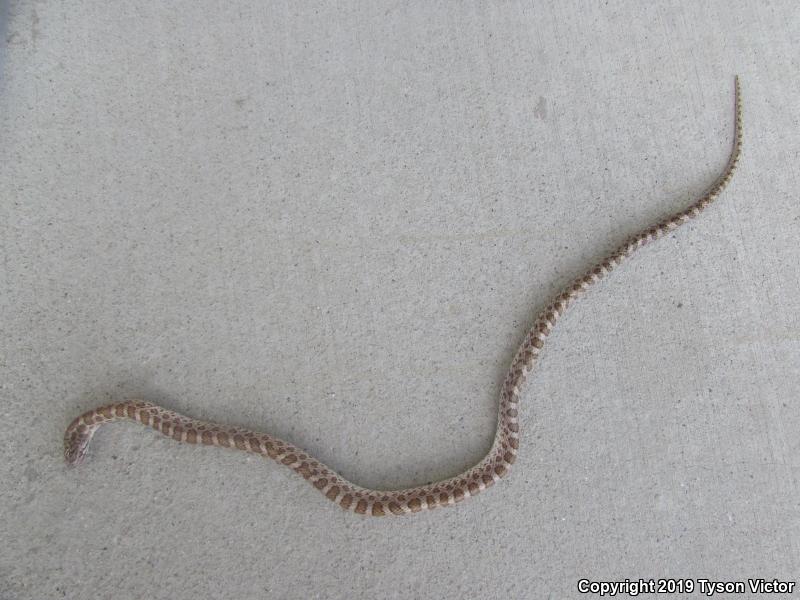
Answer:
(494, 466)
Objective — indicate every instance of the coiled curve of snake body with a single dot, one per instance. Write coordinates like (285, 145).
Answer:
(495, 465)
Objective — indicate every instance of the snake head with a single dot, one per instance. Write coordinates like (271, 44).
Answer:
(76, 442)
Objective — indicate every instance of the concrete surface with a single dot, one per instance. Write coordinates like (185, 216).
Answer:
(334, 222)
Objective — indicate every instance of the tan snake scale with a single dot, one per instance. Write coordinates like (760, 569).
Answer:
(495, 465)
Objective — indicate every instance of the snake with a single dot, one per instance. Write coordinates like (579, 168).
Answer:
(502, 454)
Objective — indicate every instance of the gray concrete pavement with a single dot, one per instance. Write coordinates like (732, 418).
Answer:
(333, 222)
